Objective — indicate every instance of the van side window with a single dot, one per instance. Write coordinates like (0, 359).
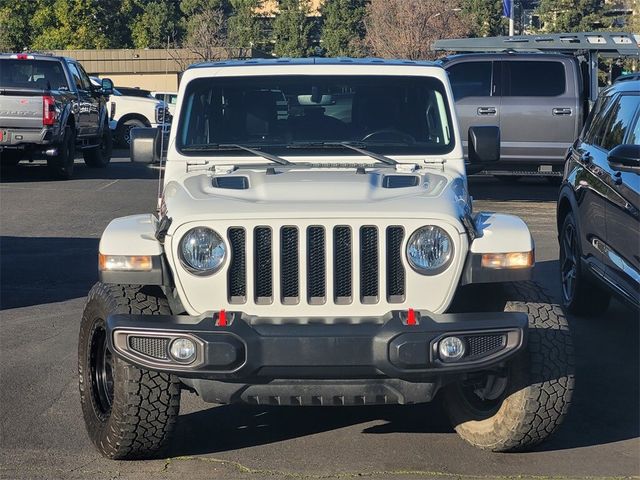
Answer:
(535, 79)
(621, 116)
(470, 79)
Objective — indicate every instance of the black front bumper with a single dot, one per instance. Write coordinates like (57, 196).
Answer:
(257, 350)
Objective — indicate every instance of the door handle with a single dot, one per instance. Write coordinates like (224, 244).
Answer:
(561, 111)
(487, 110)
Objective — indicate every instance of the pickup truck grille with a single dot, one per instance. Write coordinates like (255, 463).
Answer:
(316, 265)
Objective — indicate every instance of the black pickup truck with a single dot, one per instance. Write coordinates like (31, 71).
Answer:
(49, 109)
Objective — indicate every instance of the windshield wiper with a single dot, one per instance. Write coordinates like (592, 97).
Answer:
(235, 146)
(357, 147)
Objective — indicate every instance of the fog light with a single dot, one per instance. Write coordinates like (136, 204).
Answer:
(183, 350)
(451, 349)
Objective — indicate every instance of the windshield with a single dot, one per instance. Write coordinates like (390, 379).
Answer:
(37, 74)
(389, 114)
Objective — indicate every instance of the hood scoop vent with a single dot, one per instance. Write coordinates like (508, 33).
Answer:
(400, 181)
(231, 182)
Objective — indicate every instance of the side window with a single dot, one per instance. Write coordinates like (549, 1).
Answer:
(634, 136)
(84, 78)
(76, 76)
(470, 79)
(621, 117)
(535, 78)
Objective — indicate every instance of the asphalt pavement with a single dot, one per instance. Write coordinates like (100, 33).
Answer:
(49, 233)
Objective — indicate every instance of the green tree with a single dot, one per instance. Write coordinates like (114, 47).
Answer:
(15, 31)
(245, 29)
(343, 27)
(193, 7)
(157, 22)
(573, 15)
(68, 24)
(292, 29)
(485, 17)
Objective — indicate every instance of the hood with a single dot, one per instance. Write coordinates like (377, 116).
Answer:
(139, 100)
(316, 193)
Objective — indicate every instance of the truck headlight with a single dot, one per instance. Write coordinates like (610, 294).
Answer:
(202, 251)
(429, 250)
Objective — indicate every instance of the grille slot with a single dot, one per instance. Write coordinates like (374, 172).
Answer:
(289, 267)
(150, 346)
(237, 276)
(342, 270)
(395, 268)
(316, 266)
(263, 273)
(483, 345)
(369, 265)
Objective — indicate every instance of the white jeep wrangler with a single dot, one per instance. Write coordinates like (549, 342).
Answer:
(321, 252)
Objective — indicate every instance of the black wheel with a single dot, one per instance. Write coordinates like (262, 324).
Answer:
(518, 406)
(128, 412)
(579, 295)
(101, 156)
(123, 132)
(61, 166)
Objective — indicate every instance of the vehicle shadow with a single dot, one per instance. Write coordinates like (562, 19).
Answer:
(40, 270)
(532, 189)
(604, 404)
(120, 168)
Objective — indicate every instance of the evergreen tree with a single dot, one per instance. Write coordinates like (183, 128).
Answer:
(157, 22)
(292, 29)
(245, 29)
(343, 27)
(485, 17)
(573, 15)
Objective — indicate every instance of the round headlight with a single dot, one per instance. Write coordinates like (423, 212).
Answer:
(429, 250)
(202, 251)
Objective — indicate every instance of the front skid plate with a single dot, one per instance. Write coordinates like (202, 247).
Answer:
(251, 349)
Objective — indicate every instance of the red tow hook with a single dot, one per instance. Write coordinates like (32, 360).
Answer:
(222, 319)
(411, 317)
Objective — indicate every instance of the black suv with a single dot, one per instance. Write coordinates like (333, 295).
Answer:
(599, 205)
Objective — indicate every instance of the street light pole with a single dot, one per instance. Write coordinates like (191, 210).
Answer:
(511, 18)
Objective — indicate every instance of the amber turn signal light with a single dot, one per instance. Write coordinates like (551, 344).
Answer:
(508, 260)
(139, 263)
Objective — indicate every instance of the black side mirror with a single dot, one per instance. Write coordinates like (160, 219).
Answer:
(107, 86)
(484, 147)
(145, 144)
(624, 156)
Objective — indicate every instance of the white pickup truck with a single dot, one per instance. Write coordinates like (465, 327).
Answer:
(131, 111)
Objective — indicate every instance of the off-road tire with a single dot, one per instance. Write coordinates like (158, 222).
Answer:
(61, 166)
(145, 404)
(100, 156)
(586, 299)
(539, 386)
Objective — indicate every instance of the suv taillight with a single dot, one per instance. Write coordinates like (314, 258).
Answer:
(48, 110)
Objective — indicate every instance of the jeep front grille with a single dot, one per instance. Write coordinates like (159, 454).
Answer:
(354, 254)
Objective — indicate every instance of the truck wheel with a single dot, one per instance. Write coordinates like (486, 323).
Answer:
(101, 156)
(61, 166)
(579, 296)
(123, 132)
(128, 412)
(520, 405)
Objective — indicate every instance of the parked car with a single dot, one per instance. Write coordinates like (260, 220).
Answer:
(302, 259)
(131, 111)
(599, 206)
(170, 98)
(538, 89)
(134, 92)
(49, 109)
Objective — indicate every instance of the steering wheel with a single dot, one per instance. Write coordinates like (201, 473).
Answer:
(389, 134)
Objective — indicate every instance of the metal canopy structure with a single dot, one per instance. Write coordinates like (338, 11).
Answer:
(615, 43)
(589, 44)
